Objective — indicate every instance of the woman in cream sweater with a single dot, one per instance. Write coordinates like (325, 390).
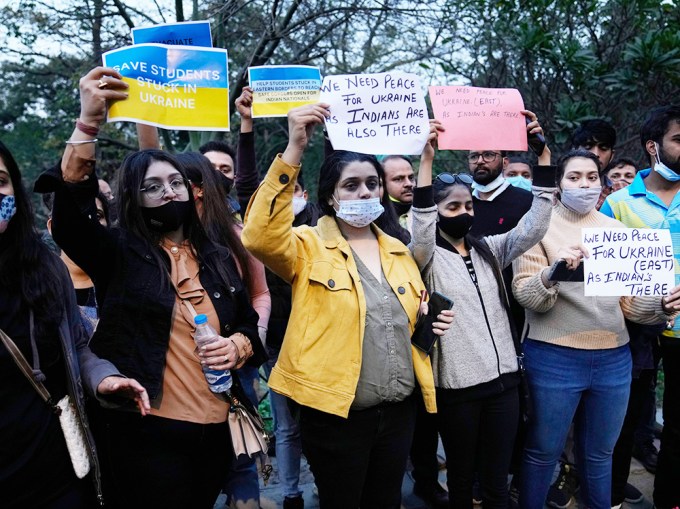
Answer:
(576, 352)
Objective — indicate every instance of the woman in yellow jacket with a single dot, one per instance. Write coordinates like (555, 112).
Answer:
(346, 357)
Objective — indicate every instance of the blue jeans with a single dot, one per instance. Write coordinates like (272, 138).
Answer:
(590, 387)
(242, 485)
(288, 444)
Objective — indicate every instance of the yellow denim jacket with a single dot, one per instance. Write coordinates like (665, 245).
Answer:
(320, 358)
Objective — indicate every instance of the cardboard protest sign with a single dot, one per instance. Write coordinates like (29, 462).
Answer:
(278, 88)
(628, 261)
(479, 118)
(382, 113)
(187, 33)
(172, 87)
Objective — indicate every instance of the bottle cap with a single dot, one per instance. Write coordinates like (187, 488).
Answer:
(200, 319)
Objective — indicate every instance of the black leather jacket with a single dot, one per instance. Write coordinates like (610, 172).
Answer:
(136, 303)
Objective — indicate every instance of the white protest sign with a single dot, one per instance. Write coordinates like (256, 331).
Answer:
(382, 113)
(628, 261)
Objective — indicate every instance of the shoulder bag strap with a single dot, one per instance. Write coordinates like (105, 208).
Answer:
(26, 369)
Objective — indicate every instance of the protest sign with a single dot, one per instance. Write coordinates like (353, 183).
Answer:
(187, 33)
(172, 86)
(278, 88)
(628, 261)
(382, 113)
(479, 118)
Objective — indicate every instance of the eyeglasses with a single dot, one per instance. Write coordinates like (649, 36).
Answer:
(156, 191)
(451, 178)
(487, 156)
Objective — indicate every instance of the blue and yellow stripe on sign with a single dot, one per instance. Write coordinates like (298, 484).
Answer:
(277, 89)
(172, 87)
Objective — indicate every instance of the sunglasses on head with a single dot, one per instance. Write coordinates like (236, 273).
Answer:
(452, 178)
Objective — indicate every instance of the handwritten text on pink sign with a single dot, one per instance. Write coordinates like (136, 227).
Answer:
(479, 118)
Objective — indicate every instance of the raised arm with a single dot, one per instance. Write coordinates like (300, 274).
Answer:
(424, 209)
(98, 87)
(268, 232)
(246, 178)
(534, 224)
(147, 137)
(74, 222)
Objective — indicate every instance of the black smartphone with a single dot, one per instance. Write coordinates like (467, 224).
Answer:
(423, 337)
(560, 272)
(536, 141)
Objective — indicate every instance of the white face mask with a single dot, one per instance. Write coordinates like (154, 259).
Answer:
(491, 186)
(664, 170)
(299, 204)
(359, 213)
(581, 200)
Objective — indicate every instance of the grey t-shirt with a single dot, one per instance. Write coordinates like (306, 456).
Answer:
(386, 359)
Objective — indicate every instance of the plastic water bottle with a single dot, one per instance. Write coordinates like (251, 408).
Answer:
(219, 380)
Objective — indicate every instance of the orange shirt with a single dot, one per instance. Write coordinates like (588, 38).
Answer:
(185, 395)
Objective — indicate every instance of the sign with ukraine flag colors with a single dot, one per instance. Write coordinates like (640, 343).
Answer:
(186, 33)
(174, 87)
(279, 88)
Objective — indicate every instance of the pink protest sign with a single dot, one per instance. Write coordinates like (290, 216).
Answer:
(479, 118)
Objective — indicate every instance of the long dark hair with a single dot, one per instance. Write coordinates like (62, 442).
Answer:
(129, 181)
(329, 175)
(217, 219)
(26, 263)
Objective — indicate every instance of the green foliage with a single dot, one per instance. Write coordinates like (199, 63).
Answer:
(571, 60)
(575, 60)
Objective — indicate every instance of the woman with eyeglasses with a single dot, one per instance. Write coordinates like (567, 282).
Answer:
(152, 274)
(475, 362)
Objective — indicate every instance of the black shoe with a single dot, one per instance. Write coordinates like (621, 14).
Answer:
(561, 493)
(646, 454)
(436, 496)
(294, 503)
(632, 495)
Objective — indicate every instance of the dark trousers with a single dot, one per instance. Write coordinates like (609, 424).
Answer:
(479, 433)
(667, 481)
(359, 461)
(639, 391)
(80, 495)
(424, 448)
(155, 462)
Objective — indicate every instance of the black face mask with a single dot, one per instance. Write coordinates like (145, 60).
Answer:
(456, 227)
(168, 217)
(225, 182)
(401, 207)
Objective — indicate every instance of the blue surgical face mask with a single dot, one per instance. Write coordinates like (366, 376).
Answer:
(7, 210)
(359, 213)
(664, 170)
(519, 181)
